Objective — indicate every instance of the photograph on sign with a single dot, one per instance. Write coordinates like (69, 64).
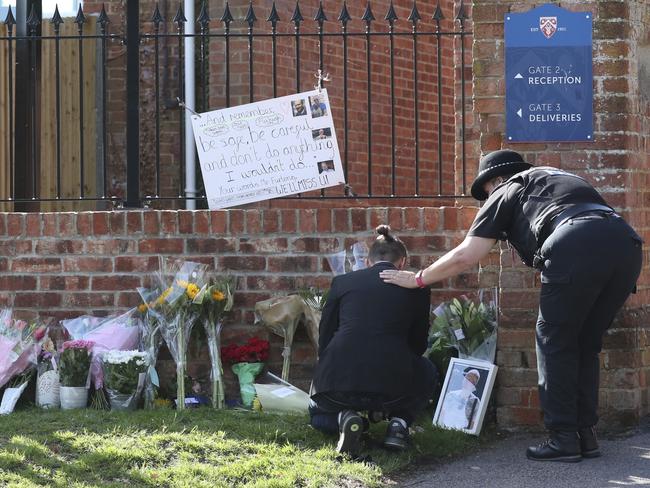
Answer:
(268, 149)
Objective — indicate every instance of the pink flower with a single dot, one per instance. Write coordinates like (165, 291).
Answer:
(78, 344)
(40, 333)
(20, 324)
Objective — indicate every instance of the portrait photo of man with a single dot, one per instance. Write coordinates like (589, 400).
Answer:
(298, 107)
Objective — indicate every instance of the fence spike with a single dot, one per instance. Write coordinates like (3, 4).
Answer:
(33, 21)
(103, 19)
(367, 15)
(414, 16)
(297, 17)
(56, 20)
(9, 19)
(391, 15)
(250, 15)
(437, 15)
(344, 16)
(273, 16)
(227, 17)
(320, 15)
(80, 19)
(462, 14)
(204, 16)
(179, 18)
(157, 17)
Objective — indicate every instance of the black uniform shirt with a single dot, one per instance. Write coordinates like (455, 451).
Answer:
(518, 208)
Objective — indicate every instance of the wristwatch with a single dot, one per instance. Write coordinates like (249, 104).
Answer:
(418, 279)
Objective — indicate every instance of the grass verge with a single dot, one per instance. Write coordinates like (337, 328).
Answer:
(195, 448)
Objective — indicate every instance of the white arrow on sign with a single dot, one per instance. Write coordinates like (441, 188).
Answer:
(518, 76)
(519, 112)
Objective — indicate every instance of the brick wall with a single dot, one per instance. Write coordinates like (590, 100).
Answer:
(616, 163)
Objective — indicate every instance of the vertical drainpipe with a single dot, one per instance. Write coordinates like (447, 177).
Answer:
(190, 101)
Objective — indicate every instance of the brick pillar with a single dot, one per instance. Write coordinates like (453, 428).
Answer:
(616, 163)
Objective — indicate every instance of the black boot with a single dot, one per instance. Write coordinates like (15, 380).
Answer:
(397, 435)
(563, 446)
(588, 442)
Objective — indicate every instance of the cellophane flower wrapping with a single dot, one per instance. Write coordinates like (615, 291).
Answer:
(124, 376)
(74, 363)
(19, 344)
(246, 361)
(119, 332)
(47, 378)
(281, 315)
(313, 302)
(215, 300)
(179, 313)
(152, 320)
(468, 325)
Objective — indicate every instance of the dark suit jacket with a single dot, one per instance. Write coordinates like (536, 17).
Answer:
(371, 332)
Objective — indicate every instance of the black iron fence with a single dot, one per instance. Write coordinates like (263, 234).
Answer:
(398, 91)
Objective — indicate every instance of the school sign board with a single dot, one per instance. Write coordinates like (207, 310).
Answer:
(549, 82)
(268, 149)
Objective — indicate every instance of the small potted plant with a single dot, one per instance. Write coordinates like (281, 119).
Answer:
(74, 367)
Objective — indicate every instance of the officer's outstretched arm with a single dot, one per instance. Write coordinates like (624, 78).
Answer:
(467, 254)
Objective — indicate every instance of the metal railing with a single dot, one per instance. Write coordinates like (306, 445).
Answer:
(401, 79)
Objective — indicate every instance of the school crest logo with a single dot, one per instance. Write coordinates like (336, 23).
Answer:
(548, 26)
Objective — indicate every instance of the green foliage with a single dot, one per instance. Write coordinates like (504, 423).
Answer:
(197, 448)
(314, 297)
(74, 365)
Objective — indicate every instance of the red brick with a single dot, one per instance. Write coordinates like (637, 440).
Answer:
(15, 224)
(273, 245)
(307, 221)
(101, 223)
(253, 221)
(248, 263)
(3, 223)
(202, 222)
(378, 216)
(341, 220)
(110, 246)
(84, 224)
(412, 218)
(69, 283)
(395, 219)
(237, 223)
(67, 224)
(86, 300)
(359, 219)
(17, 282)
(219, 222)
(289, 221)
(450, 221)
(168, 221)
(185, 224)
(128, 299)
(49, 224)
(323, 220)
(36, 265)
(115, 283)
(202, 246)
(65, 246)
(292, 264)
(151, 222)
(33, 225)
(37, 300)
(270, 283)
(161, 246)
(136, 264)
(90, 264)
(134, 222)
(271, 220)
(118, 223)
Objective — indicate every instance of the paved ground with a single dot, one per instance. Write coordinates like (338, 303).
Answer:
(625, 462)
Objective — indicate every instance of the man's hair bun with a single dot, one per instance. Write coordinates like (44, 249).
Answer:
(384, 230)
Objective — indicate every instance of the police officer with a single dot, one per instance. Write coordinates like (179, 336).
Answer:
(589, 259)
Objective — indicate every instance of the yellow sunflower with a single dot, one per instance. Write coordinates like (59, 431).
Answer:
(192, 290)
(142, 308)
(217, 296)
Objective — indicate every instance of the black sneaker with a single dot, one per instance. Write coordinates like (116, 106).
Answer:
(397, 435)
(562, 446)
(350, 431)
(588, 442)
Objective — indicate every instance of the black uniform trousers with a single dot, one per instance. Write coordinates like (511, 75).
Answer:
(591, 264)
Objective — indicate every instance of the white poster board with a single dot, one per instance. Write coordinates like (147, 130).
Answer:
(268, 149)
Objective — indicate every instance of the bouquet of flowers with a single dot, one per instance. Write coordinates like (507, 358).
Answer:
(19, 345)
(313, 303)
(214, 300)
(282, 316)
(14, 389)
(124, 375)
(116, 332)
(47, 379)
(179, 313)
(151, 324)
(466, 325)
(74, 373)
(247, 362)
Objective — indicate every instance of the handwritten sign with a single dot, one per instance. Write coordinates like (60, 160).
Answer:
(268, 149)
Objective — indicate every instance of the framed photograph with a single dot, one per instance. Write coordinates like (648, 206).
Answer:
(465, 395)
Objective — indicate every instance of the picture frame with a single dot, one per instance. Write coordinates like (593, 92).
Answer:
(465, 395)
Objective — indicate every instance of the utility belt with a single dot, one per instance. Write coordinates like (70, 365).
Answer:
(572, 212)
